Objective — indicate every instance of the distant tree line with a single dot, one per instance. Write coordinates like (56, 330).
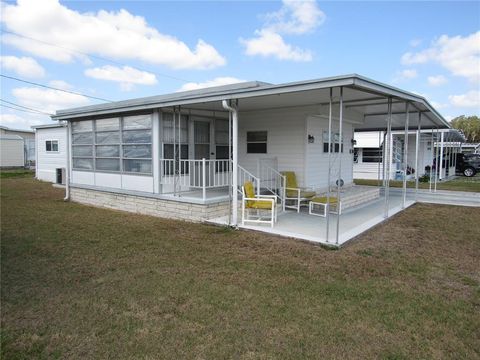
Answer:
(469, 125)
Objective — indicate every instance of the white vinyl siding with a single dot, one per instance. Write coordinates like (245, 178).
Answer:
(49, 162)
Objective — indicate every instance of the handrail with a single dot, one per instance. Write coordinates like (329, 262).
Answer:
(243, 176)
(273, 181)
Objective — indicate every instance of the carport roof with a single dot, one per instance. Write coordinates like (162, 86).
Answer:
(364, 97)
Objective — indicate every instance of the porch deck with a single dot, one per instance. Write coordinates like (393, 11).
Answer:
(353, 221)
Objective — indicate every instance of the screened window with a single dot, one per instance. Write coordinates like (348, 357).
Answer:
(256, 142)
(51, 146)
(371, 155)
(82, 145)
(335, 146)
(113, 144)
(171, 133)
(137, 144)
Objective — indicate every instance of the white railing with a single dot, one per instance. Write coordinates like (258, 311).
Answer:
(188, 174)
(273, 181)
(244, 176)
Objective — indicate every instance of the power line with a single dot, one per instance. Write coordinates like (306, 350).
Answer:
(17, 109)
(94, 56)
(54, 88)
(24, 107)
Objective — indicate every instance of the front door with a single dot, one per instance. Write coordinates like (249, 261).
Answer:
(201, 139)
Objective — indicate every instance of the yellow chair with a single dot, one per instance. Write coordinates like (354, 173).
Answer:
(295, 196)
(319, 206)
(266, 204)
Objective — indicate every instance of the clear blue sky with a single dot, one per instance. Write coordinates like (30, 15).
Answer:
(431, 48)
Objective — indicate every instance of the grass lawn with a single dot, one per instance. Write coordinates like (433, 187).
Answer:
(81, 282)
(5, 174)
(460, 183)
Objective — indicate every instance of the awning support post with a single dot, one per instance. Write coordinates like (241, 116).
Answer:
(329, 161)
(417, 162)
(387, 157)
(340, 147)
(436, 164)
(405, 157)
(440, 176)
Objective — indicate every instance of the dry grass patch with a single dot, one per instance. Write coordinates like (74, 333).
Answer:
(82, 282)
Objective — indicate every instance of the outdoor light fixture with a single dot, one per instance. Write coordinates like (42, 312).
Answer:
(311, 139)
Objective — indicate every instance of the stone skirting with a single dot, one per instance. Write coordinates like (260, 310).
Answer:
(150, 205)
(358, 195)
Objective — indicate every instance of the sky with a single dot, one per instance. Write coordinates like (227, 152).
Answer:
(115, 50)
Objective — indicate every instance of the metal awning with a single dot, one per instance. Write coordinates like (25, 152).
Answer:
(365, 101)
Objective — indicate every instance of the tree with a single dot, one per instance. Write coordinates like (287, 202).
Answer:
(469, 125)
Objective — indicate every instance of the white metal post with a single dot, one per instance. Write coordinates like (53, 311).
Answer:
(389, 145)
(235, 164)
(417, 162)
(339, 179)
(405, 156)
(436, 164)
(329, 160)
(69, 161)
(440, 176)
(204, 179)
(431, 164)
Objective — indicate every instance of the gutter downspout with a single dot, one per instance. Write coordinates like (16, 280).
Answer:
(67, 172)
(234, 112)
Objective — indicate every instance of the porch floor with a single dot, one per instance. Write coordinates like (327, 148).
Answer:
(353, 221)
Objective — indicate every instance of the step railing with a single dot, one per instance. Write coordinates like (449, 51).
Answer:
(273, 181)
(243, 176)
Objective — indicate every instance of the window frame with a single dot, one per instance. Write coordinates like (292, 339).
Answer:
(52, 141)
(378, 157)
(174, 143)
(256, 142)
(333, 149)
(120, 144)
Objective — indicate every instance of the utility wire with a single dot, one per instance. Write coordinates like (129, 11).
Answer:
(17, 109)
(93, 56)
(54, 88)
(24, 107)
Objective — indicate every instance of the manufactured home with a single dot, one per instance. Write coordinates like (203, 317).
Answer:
(434, 146)
(17, 147)
(274, 158)
(51, 152)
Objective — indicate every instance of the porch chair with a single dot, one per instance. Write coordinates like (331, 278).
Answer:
(259, 204)
(319, 206)
(295, 197)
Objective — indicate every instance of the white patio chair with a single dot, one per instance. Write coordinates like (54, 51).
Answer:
(260, 204)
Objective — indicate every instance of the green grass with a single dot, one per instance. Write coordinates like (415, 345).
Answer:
(460, 183)
(13, 173)
(81, 282)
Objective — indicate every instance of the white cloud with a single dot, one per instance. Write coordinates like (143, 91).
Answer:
(219, 81)
(460, 55)
(48, 100)
(406, 74)
(126, 76)
(415, 42)
(117, 34)
(268, 43)
(23, 66)
(294, 18)
(437, 105)
(469, 99)
(436, 80)
(22, 122)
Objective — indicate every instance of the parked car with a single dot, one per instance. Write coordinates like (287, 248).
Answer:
(468, 164)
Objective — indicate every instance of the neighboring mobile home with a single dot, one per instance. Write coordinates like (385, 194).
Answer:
(51, 152)
(443, 145)
(18, 147)
(186, 155)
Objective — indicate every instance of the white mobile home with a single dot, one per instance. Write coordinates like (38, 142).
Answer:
(51, 152)
(188, 155)
(442, 144)
(12, 152)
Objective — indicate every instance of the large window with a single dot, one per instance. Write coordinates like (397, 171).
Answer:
(113, 144)
(175, 135)
(372, 155)
(51, 145)
(221, 139)
(256, 142)
(335, 146)
(82, 145)
(137, 144)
